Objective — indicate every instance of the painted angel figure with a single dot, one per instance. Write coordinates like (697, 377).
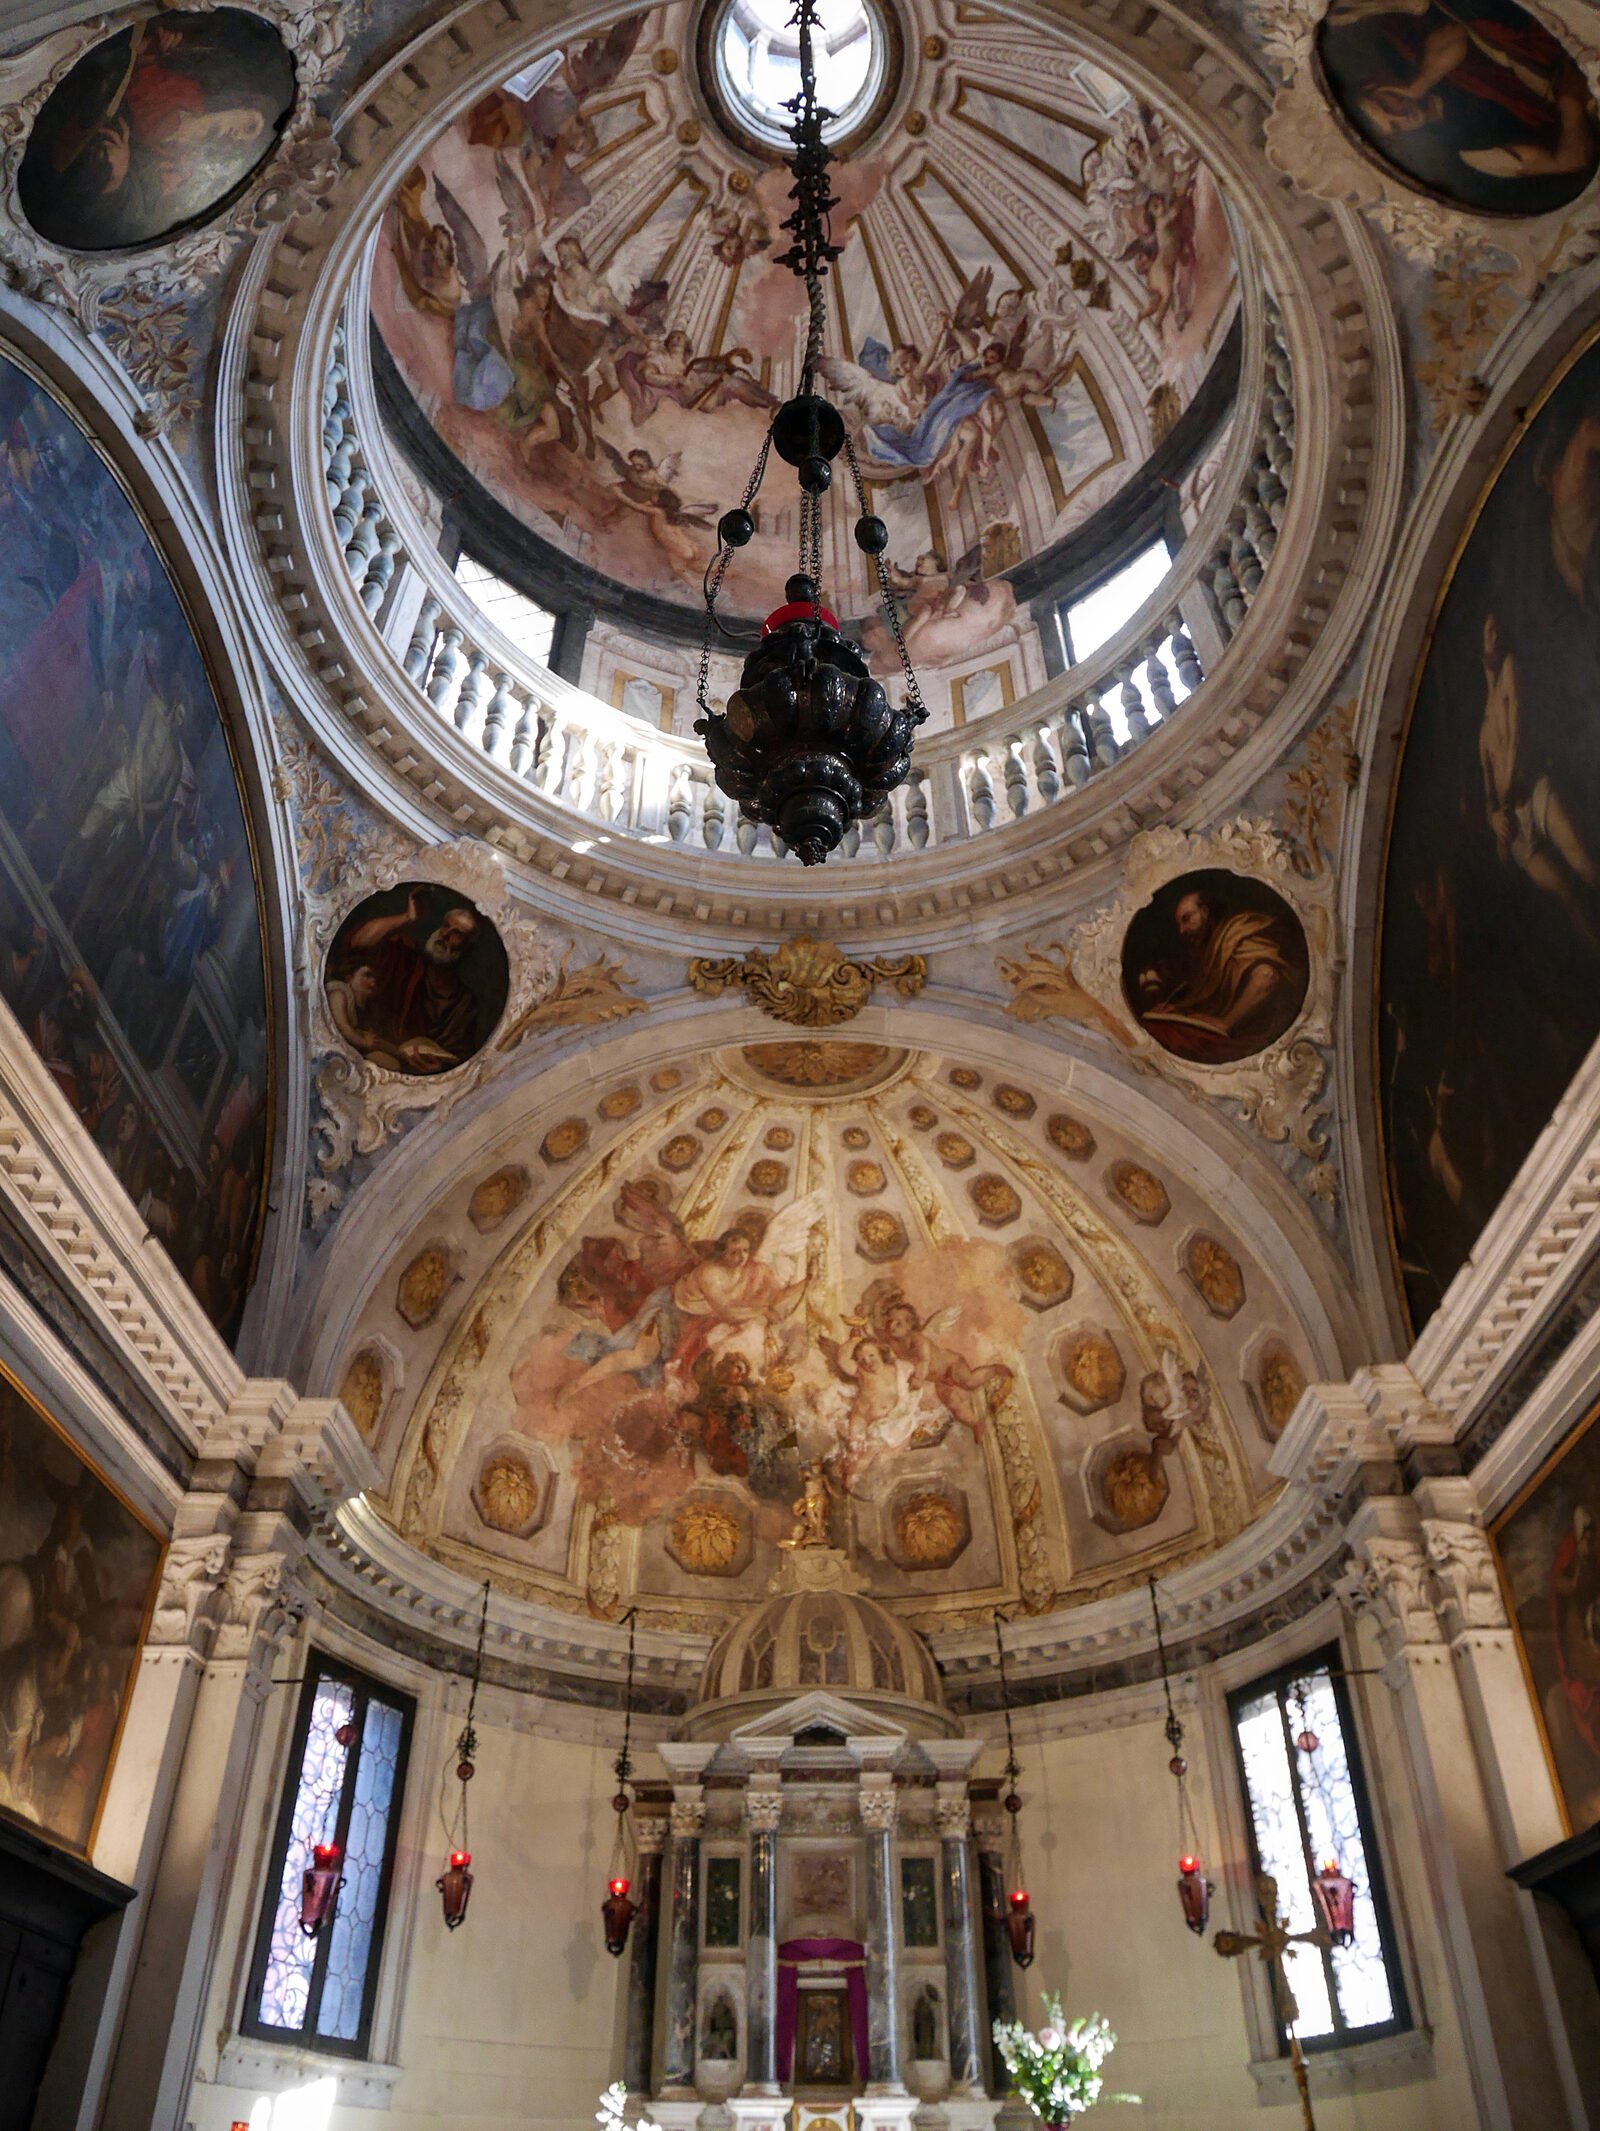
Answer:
(906, 407)
(967, 1390)
(645, 487)
(740, 1295)
(1145, 184)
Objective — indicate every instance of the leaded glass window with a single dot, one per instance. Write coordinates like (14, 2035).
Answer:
(346, 1774)
(722, 1901)
(1307, 1809)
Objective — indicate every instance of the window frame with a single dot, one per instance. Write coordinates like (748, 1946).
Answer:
(1329, 1657)
(319, 1667)
(1157, 532)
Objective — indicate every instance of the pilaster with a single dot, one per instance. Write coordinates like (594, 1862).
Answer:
(763, 1806)
(686, 1765)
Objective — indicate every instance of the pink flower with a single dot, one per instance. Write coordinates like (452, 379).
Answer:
(1049, 2038)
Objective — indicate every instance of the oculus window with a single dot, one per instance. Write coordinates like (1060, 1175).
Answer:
(1307, 1808)
(347, 1766)
(755, 56)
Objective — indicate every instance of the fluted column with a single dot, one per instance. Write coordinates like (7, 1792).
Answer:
(763, 1811)
(997, 1976)
(638, 2048)
(878, 1805)
(954, 1812)
(683, 1958)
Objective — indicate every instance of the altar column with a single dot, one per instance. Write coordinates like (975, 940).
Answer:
(763, 1812)
(683, 1957)
(878, 1805)
(649, 1834)
(954, 1812)
(997, 1974)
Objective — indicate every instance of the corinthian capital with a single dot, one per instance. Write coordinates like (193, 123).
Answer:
(878, 1804)
(763, 1810)
(1394, 1580)
(261, 1604)
(1463, 1567)
(688, 1816)
(953, 1812)
(190, 1578)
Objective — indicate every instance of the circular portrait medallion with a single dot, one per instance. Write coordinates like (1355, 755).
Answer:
(1472, 100)
(156, 129)
(1215, 966)
(416, 979)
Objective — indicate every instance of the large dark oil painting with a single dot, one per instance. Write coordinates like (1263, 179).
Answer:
(1472, 100)
(130, 941)
(78, 1570)
(156, 129)
(1489, 978)
(1548, 1545)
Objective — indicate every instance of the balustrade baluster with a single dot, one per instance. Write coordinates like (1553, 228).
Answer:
(348, 508)
(1076, 766)
(917, 824)
(883, 829)
(680, 804)
(1157, 678)
(1230, 600)
(1046, 777)
(745, 835)
(473, 694)
(448, 667)
(713, 816)
(419, 652)
(850, 842)
(1185, 658)
(337, 470)
(362, 545)
(498, 718)
(980, 791)
(1016, 780)
(523, 741)
(548, 753)
(380, 570)
(613, 781)
(1131, 698)
(1103, 748)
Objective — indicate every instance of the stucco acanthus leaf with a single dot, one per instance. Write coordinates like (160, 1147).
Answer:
(807, 983)
(261, 1605)
(688, 1818)
(878, 1809)
(763, 1810)
(1278, 1092)
(137, 304)
(953, 1817)
(1394, 1581)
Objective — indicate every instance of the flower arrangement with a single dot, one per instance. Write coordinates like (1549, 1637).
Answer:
(1057, 2071)
(612, 2114)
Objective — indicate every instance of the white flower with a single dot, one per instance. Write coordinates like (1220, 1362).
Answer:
(1049, 2038)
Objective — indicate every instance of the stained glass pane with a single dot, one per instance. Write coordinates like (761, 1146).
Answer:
(366, 1840)
(286, 1985)
(919, 1902)
(722, 1901)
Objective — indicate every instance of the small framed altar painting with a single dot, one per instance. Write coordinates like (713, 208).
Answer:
(1547, 1546)
(79, 1571)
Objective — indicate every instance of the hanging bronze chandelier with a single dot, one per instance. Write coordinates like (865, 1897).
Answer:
(809, 741)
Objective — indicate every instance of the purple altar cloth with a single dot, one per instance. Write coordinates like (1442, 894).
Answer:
(791, 1952)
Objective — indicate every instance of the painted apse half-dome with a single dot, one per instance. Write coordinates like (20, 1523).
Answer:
(1010, 1356)
(578, 289)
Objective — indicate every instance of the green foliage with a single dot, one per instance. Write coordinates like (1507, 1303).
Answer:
(1057, 2071)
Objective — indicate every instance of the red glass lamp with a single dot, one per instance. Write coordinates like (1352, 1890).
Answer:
(455, 1888)
(1335, 1896)
(1019, 1928)
(319, 1888)
(619, 1910)
(1194, 1893)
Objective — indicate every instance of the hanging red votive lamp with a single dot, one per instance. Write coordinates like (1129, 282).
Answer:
(1335, 1896)
(1194, 1893)
(1019, 1928)
(455, 1888)
(619, 1910)
(319, 1888)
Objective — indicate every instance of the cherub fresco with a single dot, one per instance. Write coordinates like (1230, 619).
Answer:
(671, 1356)
(1160, 216)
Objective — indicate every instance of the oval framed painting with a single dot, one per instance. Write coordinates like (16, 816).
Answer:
(156, 129)
(416, 979)
(1473, 101)
(1215, 966)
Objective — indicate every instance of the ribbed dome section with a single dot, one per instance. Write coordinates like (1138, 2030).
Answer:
(834, 1640)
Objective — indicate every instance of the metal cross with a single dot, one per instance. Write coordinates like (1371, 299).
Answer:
(1272, 1941)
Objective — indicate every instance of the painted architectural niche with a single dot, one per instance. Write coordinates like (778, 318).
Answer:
(897, 1294)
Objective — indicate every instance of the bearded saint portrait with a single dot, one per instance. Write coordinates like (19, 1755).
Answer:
(1215, 967)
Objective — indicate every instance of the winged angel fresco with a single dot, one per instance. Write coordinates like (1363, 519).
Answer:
(670, 1355)
(940, 411)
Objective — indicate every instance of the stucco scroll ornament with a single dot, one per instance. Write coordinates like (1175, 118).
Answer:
(807, 983)
(1278, 1091)
(138, 303)
(364, 1103)
(1309, 142)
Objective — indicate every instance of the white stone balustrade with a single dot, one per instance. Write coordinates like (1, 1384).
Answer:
(631, 779)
